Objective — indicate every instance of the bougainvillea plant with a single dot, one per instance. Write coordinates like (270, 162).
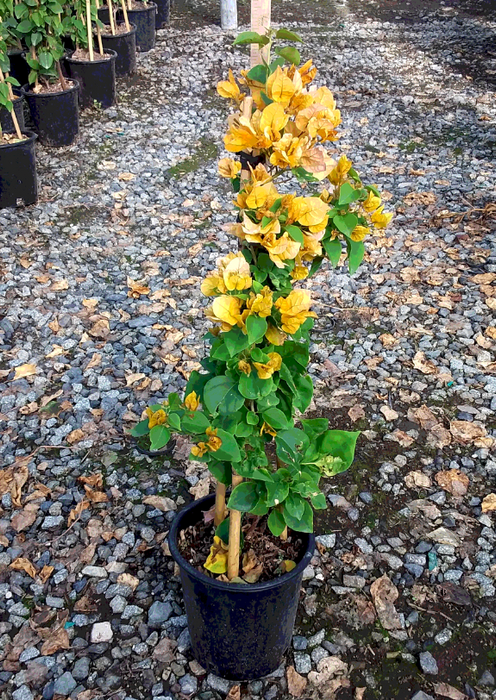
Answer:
(255, 383)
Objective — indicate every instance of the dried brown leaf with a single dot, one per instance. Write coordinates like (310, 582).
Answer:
(356, 412)
(26, 370)
(58, 639)
(489, 503)
(384, 593)
(296, 683)
(448, 691)
(23, 564)
(466, 432)
(25, 518)
(76, 512)
(421, 363)
(163, 503)
(454, 481)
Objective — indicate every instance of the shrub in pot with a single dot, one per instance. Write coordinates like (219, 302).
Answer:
(142, 14)
(92, 67)
(18, 183)
(121, 38)
(51, 97)
(241, 410)
(18, 68)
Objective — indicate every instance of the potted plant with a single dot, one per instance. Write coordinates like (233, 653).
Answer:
(18, 183)
(51, 97)
(142, 13)
(121, 38)
(14, 94)
(241, 559)
(94, 69)
(162, 16)
(19, 68)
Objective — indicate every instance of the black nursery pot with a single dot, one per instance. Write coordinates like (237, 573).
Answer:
(18, 182)
(104, 15)
(55, 115)
(96, 79)
(144, 20)
(163, 13)
(125, 47)
(6, 118)
(19, 68)
(238, 631)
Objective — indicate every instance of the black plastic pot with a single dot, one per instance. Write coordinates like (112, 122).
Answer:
(55, 115)
(19, 68)
(144, 20)
(125, 47)
(166, 451)
(104, 15)
(6, 118)
(18, 182)
(238, 631)
(96, 79)
(163, 13)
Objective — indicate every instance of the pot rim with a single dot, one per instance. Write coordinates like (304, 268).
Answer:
(124, 34)
(31, 138)
(149, 6)
(27, 92)
(111, 52)
(232, 587)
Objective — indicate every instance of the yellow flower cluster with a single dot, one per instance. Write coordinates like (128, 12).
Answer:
(265, 370)
(156, 417)
(212, 445)
(233, 274)
(192, 401)
(289, 130)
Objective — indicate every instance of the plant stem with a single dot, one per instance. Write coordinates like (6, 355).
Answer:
(220, 503)
(61, 76)
(35, 58)
(234, 536)
(12, 114)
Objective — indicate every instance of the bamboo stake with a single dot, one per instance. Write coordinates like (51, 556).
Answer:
(220, 503)
(111, 17)
(98, 33)
(234, 536)
(129, 4)
(124, 12)
(12, 114)
(89, 30)
(246, 112)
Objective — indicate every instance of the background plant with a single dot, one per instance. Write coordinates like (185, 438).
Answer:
(6, 83)
(255, 380)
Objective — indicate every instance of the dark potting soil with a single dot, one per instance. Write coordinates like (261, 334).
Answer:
(120, 29)
(8, 139)
(84, 55)
(52, 87)
(262, 551)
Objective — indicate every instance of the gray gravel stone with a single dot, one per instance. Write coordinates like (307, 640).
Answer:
(303, 663)
(428, 663)
(64, 684)
(158, 614)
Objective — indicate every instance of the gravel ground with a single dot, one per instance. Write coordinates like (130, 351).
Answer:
(404, 351)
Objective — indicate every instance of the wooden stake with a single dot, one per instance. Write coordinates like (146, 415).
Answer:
(98, 33)
(234, 536)
(220, 503)
(111, 17)
(89, 30)
(246, 110)
(124, 12)
(12, 114)
(260, 22)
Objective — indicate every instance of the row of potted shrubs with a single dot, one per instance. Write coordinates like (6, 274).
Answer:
(57, 59)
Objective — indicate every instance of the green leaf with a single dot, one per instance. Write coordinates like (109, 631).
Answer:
(287, 377)
(222, 472)
(244, 497)
(333, 249)
(295, 505)
(286, 34)
(303, 398)
(340, 443)
(276, 419)
(45, 59)
(258, 73)
(195, 422)
(250, 38)
(266, 99)
(346, 224)
(222, 531)
(196, 382)
(275, 64)
(289, 445)
(159, 437)
(290, 54)
(244, 430)
(348, 194)
(251, 418)
(355, 255)
(222, 393)
(256, 327)
(277, 492)
(235, 341)
(319, 501)
(140, 428)
(175, 421)
(303, 524)
(229, 450)
(251, 387)
(315, 266)
(295, 233)
(314, 427)
(276, 523)
(303, 175)
(25, 26)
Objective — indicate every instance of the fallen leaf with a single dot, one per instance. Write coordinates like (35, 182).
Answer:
(95, 496)
(90, 304)
(466, 432)
(94, 480)
(453, 593)
(356, 412)
(296, 683)
(234, 693)
(23, 564)
(388, 340)
(100, 329)
(384, 593)
(416, 478)
(59, 639)
(439, 436)
(25, 518)
(45, 573)
(410, 274)
(75, 436)
(133, 378)
(95, 361)
(448, 691)
(76, 512)
(136, 289)
(491, 332)
(402, 438)
(425, 417)
(423, 198)
(421, 363)
(128, 580)
(126, 177)
(24, 371)
(489, 503)
(389, 413)
(59, 286)
(163, 503)
(454, 481)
